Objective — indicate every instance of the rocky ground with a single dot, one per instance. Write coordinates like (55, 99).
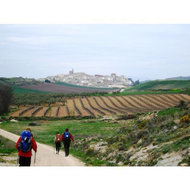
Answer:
(8, 159)
(165, 144)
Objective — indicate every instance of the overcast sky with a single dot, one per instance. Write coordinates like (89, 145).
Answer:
(144, 52)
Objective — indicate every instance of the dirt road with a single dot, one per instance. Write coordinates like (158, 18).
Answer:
(46, 154)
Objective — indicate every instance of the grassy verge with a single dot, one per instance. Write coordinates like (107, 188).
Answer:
(45, 132)
(7, 146)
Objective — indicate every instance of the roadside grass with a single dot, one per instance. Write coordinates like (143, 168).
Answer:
(45, 132)
(7, 146)
(89, 159)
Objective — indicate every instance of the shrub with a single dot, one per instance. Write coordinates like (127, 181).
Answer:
(182, 104)
(166, 149)
(142, 124)
(185, 119)
(90, 151)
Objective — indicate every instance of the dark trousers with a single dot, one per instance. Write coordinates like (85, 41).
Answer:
(66, 147)
(24, 161)
(57, 145)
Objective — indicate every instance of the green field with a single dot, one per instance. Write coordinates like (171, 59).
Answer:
(19, 90)
(146, 92)
(161, 85)
(45, 132)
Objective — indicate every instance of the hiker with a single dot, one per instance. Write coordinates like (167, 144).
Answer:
(66, 138)
(57, 142)
(24, 145)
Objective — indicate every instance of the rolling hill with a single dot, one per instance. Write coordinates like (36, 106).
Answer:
(161, 85)
(25, 85)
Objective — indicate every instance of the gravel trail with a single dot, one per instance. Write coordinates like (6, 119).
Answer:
(46, 154)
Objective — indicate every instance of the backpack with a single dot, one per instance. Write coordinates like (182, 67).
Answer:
(58, 138)
(67, 137)
(26, 142)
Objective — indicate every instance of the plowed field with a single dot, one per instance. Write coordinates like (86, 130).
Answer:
(63, 89)
(113, 105)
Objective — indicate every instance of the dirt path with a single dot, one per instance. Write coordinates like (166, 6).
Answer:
(46, 154)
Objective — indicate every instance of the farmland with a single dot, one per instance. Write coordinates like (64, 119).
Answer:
(103, 105)
(61, 88)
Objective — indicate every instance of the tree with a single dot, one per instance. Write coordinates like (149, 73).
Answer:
(6, 98)
(136, 83)
(182, 104)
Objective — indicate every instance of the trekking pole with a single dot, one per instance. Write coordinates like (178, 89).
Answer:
(54, 149)
(18, 159)
(34, 158)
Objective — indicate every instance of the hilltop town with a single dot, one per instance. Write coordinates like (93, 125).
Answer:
(83, 79)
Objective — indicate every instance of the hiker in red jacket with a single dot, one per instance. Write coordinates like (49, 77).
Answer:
(57, 142)
(66, 138)
(24, 145)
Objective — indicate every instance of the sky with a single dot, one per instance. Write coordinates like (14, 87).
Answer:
(141, 52)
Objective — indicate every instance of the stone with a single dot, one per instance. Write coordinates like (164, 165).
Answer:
(13, 120)
(143, 154)
(112, 162)
(177, 121)
(165, 131)
(184, 153)
(171, 159)
(139, 142)
(120, 164)
(129, 151)
(184, 164)
(103, 144)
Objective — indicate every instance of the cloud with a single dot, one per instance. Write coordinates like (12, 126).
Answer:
(28, 40)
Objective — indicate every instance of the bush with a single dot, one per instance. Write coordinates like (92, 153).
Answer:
(182, 104)
(142, 124)
(185, 119)
(90, 151)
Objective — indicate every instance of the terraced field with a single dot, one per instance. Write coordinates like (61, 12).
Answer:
(105, 105)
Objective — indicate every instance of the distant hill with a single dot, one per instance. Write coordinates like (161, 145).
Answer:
(27, 85)
(161, 85)
(98, 81)
(179, 78)
(19, 81)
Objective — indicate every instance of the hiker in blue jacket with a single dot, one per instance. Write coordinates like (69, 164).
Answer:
(66, 138)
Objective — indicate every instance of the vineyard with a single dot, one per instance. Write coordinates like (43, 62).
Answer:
(104, 105)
